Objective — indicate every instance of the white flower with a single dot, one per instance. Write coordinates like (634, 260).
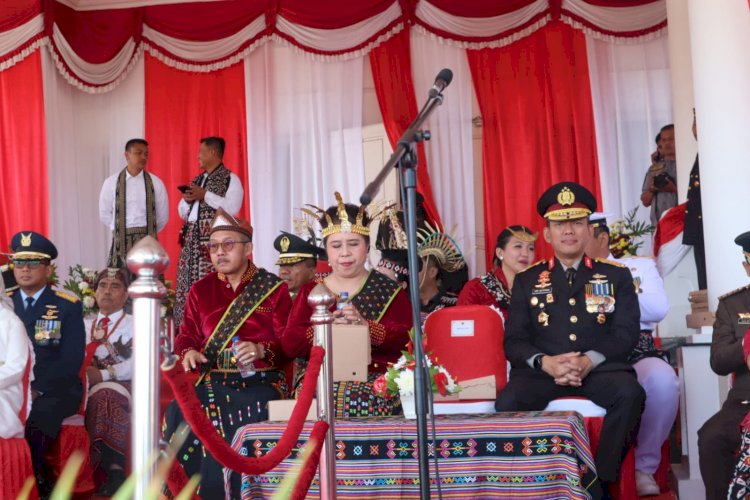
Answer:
(82, 285)
(401, 363)
(405, 382)
(89, 302)
(86, 270)
(451, 385)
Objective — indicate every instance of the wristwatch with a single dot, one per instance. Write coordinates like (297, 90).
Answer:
(538, 362)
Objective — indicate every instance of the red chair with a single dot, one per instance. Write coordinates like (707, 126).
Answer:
(593, 418)
(15, 455)
(74, 437)
(468, 342)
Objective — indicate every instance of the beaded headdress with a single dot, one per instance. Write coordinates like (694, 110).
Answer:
(434, 242)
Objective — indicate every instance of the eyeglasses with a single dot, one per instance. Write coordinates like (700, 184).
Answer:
(226, 245)
(31, 264)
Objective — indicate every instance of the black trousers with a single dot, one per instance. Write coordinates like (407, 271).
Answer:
(718, 440)
(617, 391)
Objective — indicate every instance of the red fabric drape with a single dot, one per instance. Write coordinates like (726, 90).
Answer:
(391, 71)
(538, 121)
(23, 151)
(181, 108)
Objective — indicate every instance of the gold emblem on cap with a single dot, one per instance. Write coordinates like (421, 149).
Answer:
(25, 240)
(284, 244)
(566, 197)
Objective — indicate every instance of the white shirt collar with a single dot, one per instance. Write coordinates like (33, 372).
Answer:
(112, 317)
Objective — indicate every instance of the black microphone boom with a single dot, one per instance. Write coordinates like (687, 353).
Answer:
(442, 80)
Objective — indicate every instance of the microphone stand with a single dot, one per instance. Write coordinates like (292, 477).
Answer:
(405, 159)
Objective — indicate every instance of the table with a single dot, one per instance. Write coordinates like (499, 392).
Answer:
(523, 455)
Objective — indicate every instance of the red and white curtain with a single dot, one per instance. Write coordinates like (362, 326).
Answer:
(568, 89)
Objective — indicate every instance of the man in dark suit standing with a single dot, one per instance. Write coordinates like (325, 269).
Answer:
(571, 325)
(54, 323)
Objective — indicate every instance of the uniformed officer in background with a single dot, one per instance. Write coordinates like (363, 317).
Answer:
(571, 325)
(655, 375)
(54, 323)
(719, 437)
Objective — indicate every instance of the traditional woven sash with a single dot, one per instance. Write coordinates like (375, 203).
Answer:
(376, 294)
(497, 289)
(255, 292)
(120, 244)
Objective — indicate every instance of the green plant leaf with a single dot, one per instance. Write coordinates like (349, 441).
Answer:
(64, 486)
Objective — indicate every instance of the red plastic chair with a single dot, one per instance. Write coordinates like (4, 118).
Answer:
(15, 455)
(593, 418)
(74, 437)
(468, 342)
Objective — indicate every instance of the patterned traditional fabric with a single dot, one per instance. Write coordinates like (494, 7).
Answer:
(260, 285)
(358, 399)
(108, 424)
(376, 295)
(194, 260)
(508, 455)
(497, 289)
(739, 488)
(124, 237)
(645, 348)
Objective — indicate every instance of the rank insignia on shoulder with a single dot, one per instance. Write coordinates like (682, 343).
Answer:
(533, 265)
(67, 296)
(743, 318)
(610, 262)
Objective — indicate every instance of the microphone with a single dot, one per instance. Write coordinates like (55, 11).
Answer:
(442, 80)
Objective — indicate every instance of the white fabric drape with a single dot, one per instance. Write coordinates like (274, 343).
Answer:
(304, 123)
(450, 151)
(606, 22)
(86, 136)
(631, 93)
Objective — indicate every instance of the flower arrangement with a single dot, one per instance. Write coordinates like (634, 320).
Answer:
(399, 378)
(81, 282)
(624, 233)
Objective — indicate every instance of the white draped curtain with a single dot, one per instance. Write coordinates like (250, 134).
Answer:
(304, 123)
(86, 135)
(450, 151)
(631, 89)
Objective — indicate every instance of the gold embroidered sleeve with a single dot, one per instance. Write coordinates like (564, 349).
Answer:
(310, 335)
(269, 356)
(377, 332)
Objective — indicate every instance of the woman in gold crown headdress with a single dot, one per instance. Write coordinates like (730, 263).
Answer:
(514, 252)
(374, 300)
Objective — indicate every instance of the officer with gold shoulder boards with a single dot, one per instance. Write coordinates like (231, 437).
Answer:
(298, 260)
(571, 325)
(720, 436)
(54, 323)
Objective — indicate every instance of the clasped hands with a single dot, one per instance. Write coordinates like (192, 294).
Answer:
(195, 193)
(348, 315)
(247, 352)
(567, 369)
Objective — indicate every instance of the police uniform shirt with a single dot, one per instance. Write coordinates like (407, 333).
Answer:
(648, 284)
(598, 314)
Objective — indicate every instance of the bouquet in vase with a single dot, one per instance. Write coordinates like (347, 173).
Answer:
(81, 282)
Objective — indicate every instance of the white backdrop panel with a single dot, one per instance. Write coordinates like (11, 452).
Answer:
(86, 135)
(450, 151)
(304, 123)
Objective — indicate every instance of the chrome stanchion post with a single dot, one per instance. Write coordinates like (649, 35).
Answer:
(321, 299)
(147, 259)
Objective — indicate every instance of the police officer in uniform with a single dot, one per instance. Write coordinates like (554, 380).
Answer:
(54, 323)
(298, 260)
(719, 437)
(571, 325)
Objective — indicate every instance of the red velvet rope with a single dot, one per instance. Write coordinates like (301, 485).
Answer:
(307, 474)
(202, 427)
(177, 479)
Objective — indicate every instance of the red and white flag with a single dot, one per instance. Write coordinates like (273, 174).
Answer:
(668, 247)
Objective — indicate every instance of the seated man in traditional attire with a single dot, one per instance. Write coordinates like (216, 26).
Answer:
(54, 323)
(298, 260)
(231, 335)
(110, 334)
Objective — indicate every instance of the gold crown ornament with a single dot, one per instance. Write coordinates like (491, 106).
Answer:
(344, 225)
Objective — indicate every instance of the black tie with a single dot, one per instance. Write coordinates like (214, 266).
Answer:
(570, 273)
(29, 302)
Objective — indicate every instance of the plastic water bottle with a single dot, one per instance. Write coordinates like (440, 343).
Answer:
(343, 300)
(246, 369)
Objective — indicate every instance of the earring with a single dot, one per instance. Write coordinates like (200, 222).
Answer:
(500, 258)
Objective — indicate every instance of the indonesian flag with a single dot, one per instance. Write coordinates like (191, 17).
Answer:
(668, 247)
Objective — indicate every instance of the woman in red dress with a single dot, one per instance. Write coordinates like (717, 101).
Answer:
(514, 252)
(374, 300)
